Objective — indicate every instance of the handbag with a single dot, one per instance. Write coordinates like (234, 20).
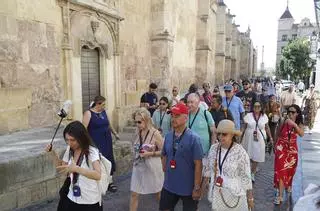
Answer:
(64, 190)
(222, 198)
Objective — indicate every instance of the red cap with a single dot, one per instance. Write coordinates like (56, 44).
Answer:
(180, 108)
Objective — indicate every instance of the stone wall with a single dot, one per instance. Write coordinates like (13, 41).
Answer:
(32, 178)
(30, 59)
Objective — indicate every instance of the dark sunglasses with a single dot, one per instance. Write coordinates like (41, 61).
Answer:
(227, 91)
(245, 84)
(162, 103)
(293, 112)
(138, 122)
(174, 90)
(222, 134)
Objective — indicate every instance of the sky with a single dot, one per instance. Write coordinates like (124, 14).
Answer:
(263, 16)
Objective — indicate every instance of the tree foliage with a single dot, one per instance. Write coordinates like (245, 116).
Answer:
(295, 60)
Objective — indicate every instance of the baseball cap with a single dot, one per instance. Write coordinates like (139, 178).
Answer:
(228, 87)
(180, 108)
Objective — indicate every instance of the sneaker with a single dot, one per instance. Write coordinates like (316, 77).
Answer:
(277, 200)
(252, 177)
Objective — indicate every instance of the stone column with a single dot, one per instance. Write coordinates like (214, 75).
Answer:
(161, 47)
(206, 39)
(227, 71)
(67, 56)
(220, 43)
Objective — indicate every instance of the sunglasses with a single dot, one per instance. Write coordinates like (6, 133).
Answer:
(293, 112)
(222, 134)
(138, 122)
(245, 84)
(162, 104)
(174, 90)
(101, 103)
(227, 91)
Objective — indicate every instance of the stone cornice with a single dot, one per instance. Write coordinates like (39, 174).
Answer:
(163, 36)
(228, 57)
(203, 47)
(221, 54)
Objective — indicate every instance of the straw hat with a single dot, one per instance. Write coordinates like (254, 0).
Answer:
(227, 126)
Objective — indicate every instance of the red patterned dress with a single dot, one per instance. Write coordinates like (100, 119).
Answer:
(286, 156)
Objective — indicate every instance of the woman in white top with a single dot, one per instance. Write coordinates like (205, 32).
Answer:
(82, 164)
(147, 175)
(255, 136)
(161, 119)
(228, 170)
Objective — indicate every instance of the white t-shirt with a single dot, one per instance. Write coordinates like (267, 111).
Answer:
(301, 86)
(90, 193)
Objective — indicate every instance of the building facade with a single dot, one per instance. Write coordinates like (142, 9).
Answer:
(53, 50)
(289, 30)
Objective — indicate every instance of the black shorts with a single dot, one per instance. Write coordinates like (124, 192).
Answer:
(169, 200)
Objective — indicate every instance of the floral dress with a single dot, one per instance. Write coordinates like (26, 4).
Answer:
(286, 156)
(310, 109)
(236, 176)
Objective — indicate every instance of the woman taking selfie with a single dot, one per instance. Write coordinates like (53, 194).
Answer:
(161, 119)
(81, 163)
(147, 175)
(286, 151)
(228, 169)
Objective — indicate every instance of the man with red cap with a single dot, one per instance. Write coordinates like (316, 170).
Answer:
(182, 163)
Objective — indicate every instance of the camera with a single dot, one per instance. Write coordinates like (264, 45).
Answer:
(169, 112)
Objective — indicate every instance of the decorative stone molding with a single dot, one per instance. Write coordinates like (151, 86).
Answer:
(203, 47)
(204, 18)
(221, 54)
(163, 36)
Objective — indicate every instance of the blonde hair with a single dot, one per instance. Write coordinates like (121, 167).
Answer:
(146, 116)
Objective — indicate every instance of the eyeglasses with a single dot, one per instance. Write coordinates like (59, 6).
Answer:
(222, 134)
(293, 112)
(227, 91)
(162, 103)
(138, 122)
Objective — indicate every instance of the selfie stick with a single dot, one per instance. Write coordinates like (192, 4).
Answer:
(63, 113)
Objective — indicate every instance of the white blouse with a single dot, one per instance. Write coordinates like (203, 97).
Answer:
(236, 171)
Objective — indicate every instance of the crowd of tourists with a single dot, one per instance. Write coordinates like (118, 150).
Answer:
(205, 142)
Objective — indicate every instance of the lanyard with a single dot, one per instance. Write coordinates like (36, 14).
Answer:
(228, 104)
(255, 119)
(76, 175)
(224, 158)
(195, 116)
(161, 117)
(140, 138)
(175, 142)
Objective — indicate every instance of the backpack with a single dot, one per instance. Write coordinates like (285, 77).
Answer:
(105, 179)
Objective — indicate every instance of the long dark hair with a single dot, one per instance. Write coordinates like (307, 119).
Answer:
(262, 111)
(77, 130)
(299, 119)
(166, 100)
(97, 99)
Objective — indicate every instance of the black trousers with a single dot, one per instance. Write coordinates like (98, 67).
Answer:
(65, 204)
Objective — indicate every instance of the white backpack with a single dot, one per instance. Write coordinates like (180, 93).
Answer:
(105, 179)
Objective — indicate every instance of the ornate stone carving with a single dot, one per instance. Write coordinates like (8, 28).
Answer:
(94, 27)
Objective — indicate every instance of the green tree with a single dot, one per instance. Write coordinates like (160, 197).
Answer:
(295, 60)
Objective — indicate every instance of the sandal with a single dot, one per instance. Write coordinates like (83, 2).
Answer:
(277, 200)
(112, 188)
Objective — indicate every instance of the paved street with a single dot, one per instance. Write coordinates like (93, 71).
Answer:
(119, 201)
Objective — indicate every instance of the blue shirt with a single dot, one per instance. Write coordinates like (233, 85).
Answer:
(200, 127)
(236, 108)
(180, 180)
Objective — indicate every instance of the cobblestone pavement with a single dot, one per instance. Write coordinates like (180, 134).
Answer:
(263, 193)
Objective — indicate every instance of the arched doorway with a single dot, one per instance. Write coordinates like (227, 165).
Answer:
(90, 76)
